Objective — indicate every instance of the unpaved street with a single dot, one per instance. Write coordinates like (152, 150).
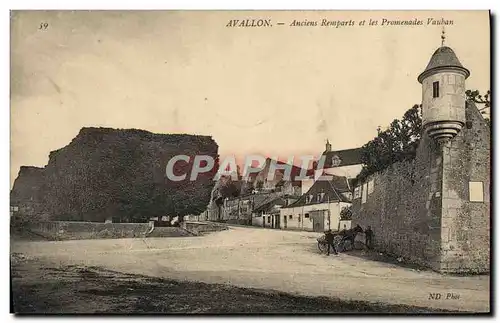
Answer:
(267, 259)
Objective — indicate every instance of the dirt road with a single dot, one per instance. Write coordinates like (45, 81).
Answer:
(268, 259)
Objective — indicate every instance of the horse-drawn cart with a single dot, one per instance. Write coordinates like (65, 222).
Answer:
(343, 240)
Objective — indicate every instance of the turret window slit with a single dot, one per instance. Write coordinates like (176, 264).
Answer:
(435, 90)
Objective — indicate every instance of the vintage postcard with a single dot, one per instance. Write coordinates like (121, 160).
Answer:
(250, 162)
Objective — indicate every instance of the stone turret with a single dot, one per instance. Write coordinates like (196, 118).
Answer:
(443, 95)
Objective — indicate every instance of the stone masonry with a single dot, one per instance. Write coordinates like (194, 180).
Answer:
(421, 209)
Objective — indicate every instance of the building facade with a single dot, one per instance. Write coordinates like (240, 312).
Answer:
(268, 214)
(345, 163)
(319, 208)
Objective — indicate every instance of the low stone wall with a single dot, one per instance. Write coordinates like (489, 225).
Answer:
(200, 228)
(166, 232)
(238, 221)
(63, 230)
(67, 230)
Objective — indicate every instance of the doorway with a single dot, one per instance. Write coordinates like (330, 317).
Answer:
(318, 218)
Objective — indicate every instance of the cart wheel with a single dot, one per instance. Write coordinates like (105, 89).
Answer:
(322, 247)
(347, 245)
(338, 243)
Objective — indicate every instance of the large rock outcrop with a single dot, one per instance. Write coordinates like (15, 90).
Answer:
(120, 173)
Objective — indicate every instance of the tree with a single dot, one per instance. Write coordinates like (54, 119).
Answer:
(479, 99)
(224, 188)
(346, 213)
(398, 142)
(120, 173)
(246, 187)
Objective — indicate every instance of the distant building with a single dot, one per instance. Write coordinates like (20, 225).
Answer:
(268, 214)
(256, 191)
(238, 209)
(291, 185)
(346, 163)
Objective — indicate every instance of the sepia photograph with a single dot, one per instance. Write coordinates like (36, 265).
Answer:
(210, 162)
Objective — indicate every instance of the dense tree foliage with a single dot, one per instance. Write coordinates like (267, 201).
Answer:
(477, 98)
(398, 142)
(229, 185)
(226, 187)
(121, 174)
(346, 213)
(247, 187)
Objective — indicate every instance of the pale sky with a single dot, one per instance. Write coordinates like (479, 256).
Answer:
(276, 91)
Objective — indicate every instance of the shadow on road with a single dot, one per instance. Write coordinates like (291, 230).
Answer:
(361, 251)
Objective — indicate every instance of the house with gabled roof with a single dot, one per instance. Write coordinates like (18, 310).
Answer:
(267, 215)
(319, 208)
(345, 163)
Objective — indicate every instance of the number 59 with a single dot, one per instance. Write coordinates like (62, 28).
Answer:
(43, 26)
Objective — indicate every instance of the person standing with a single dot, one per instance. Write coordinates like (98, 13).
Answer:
(330, 238)
(368, 237)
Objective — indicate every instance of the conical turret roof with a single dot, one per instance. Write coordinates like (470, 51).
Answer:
(443, 57)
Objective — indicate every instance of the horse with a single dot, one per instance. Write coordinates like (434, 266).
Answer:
(340, 238)
(348, 235)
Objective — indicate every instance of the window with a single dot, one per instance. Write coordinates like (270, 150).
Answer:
(370, 186)
(336, 161)
(451, 79)
(268, 219)
(364, 193)
(290, 216)
(357, 192)
(306, 215)
(476, 192)
(435, 89)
